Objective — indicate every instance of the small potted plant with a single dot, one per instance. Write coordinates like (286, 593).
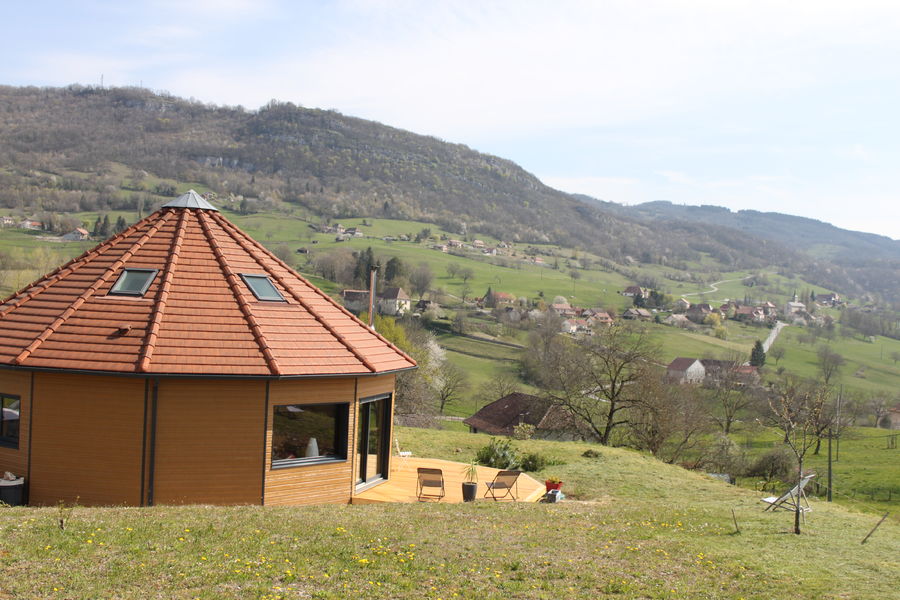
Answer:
(553, 483)
(470, 485)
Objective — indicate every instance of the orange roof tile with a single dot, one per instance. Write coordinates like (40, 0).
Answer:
(197, 317)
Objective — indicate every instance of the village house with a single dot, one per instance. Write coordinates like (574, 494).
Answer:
(640, 314)
(7, 221)
(77, 235)
(828, 299)
(393, 301)
(597, 317)
(181, 362)
(676, 320)
(563, 309)
(550, 422)
(749, 314)
(698, 312)
(635, 291)
(685, 370)
(356, 301)
(681, 305)
(30, 224)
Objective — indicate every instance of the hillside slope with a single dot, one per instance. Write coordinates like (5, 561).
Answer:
(641, 529)
(57, 147)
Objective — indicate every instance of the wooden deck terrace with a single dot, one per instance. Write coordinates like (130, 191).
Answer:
(401, 485)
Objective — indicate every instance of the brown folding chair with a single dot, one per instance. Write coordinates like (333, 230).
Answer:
(504, 485)
(430, 479)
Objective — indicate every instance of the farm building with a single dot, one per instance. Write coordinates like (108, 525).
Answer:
(181, 362)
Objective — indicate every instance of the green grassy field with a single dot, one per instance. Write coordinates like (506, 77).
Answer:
(869, 368)
(865, 471)
(635, 529)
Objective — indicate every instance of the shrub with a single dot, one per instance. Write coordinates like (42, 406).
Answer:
(590, 454)
(523, 431)
(499, 454)
(774, 464)
(534, 462)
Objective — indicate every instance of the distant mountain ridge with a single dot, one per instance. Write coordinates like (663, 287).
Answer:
(56, 145)
(787, 229)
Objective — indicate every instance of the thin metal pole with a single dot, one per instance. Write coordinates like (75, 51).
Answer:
(829, 465)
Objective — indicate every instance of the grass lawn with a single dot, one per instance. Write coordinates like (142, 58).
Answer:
(637, 529)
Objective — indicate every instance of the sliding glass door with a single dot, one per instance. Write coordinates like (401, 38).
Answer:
(373, 439)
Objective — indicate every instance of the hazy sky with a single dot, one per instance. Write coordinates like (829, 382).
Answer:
(774, 106)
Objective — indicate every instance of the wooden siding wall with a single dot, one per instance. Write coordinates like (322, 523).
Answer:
(86, 439)
(317, 484)
(311, 484)
(209, 442)
(17, 383)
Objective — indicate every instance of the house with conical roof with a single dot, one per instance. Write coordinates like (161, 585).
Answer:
(182, 362)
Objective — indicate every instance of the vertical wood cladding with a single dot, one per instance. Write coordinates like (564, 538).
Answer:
(311, 484)
(17, 383)
(208, 436)
(86, 439)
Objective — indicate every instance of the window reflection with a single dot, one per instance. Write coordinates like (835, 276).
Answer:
(305, 432)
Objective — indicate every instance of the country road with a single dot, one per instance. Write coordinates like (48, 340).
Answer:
(773, 335)
(713, 286)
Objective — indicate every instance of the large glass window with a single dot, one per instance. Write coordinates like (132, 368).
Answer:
(9, 420)
(308, 433)
(373, 438)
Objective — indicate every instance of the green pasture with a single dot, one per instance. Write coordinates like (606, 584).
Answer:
(631, 528)
(869, 367)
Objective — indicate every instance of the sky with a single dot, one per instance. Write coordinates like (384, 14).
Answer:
(789, 107)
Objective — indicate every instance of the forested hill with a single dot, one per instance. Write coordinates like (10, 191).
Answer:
(57, 146)
(815, 237)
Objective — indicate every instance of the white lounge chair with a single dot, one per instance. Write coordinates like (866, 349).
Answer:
(403, 454)
(792, 499)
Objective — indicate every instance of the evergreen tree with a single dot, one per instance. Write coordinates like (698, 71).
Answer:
(758, 355)
(365, 260)
(97, 224)
(105, 227)
(121, 224)
(394, 268)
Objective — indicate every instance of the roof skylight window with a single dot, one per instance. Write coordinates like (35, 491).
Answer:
(263, 288)
(133, 282)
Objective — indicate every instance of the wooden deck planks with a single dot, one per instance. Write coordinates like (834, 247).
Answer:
(401, 486)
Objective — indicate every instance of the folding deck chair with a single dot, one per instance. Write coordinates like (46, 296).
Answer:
(429, 479)
(505, 485)
(403, 454)
(792, 499)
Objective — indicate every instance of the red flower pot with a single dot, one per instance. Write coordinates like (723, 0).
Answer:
(553, 486)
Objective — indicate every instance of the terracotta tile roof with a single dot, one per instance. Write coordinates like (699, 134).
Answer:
(198, 317)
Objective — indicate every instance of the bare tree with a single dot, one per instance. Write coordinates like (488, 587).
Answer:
(465, 273)
(496, 388)
(452, 270)
(450, 383)
(776, 352)
(667, 420)
(796, 408)
(596, 378)
(829, 363)
(728, 398)
(420, 280)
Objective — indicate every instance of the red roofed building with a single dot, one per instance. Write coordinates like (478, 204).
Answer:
(182, 362)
